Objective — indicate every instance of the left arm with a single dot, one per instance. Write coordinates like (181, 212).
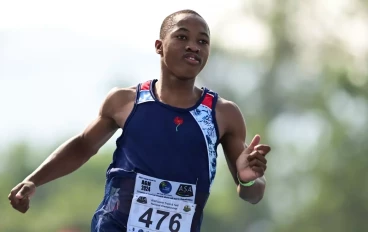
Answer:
(246, 163)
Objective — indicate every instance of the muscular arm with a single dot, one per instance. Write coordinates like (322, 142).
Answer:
(233, 143)
(78, 150)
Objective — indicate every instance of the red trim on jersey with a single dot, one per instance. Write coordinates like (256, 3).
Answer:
(208, 100)
(146, 85)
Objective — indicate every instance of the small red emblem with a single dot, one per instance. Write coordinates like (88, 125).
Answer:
(178, 121)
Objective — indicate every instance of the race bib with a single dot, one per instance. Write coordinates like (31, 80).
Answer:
(161, 206)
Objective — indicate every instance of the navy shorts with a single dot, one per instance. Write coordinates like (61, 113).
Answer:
(113, 212)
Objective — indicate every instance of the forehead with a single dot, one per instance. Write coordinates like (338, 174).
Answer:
(190, 22)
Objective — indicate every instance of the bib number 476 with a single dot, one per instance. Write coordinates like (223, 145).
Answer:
(174, 224)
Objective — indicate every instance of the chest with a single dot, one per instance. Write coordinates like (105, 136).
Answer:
(165, 128)
(168, 121)
(170, 144)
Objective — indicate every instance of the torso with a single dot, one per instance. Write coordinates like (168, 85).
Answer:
(185, 152)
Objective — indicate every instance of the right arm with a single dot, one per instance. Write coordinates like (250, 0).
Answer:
(73, 153)
(76, 151)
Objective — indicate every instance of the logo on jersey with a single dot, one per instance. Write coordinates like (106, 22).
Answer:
(187, 208)
(178, 121)
(165, 187)
(185, 190)
(146, 185)
(142, 200)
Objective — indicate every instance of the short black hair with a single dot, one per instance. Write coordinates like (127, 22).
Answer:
(168, 22)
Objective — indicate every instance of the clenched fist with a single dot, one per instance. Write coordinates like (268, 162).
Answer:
(20, 195)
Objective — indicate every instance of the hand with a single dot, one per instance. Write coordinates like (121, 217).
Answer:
(20, 195)
(251, 164)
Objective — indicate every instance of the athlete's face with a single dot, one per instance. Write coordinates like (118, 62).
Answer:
(185, 49)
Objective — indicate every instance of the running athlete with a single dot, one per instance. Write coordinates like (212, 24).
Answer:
(164, 164)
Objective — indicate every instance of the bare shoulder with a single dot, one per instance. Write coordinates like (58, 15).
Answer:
(118, 103)
(227, 106)
(121, 95)
(229, 117)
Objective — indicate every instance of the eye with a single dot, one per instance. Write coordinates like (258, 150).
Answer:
(202, 41)
(181, 37)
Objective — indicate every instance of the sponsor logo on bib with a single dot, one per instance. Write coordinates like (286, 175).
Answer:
(165, 187)
(185, 190)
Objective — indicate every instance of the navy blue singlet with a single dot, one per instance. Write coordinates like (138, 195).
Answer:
(164, 142)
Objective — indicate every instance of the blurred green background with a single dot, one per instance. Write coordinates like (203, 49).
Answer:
(297, 69)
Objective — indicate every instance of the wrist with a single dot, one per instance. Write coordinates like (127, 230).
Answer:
(245, 184)
(31, 179)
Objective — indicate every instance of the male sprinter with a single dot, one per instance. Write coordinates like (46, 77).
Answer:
(165, 161)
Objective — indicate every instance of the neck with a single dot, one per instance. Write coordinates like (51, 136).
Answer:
(180, 92)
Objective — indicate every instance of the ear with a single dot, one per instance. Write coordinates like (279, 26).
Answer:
(158, 46)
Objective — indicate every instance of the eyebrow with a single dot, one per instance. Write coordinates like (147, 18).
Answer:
(186, 30)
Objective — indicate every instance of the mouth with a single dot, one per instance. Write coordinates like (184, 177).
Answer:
(192, 58)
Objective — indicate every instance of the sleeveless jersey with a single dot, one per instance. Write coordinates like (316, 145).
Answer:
(164, 142)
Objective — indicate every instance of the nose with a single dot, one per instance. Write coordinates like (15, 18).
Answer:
(192, 48)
